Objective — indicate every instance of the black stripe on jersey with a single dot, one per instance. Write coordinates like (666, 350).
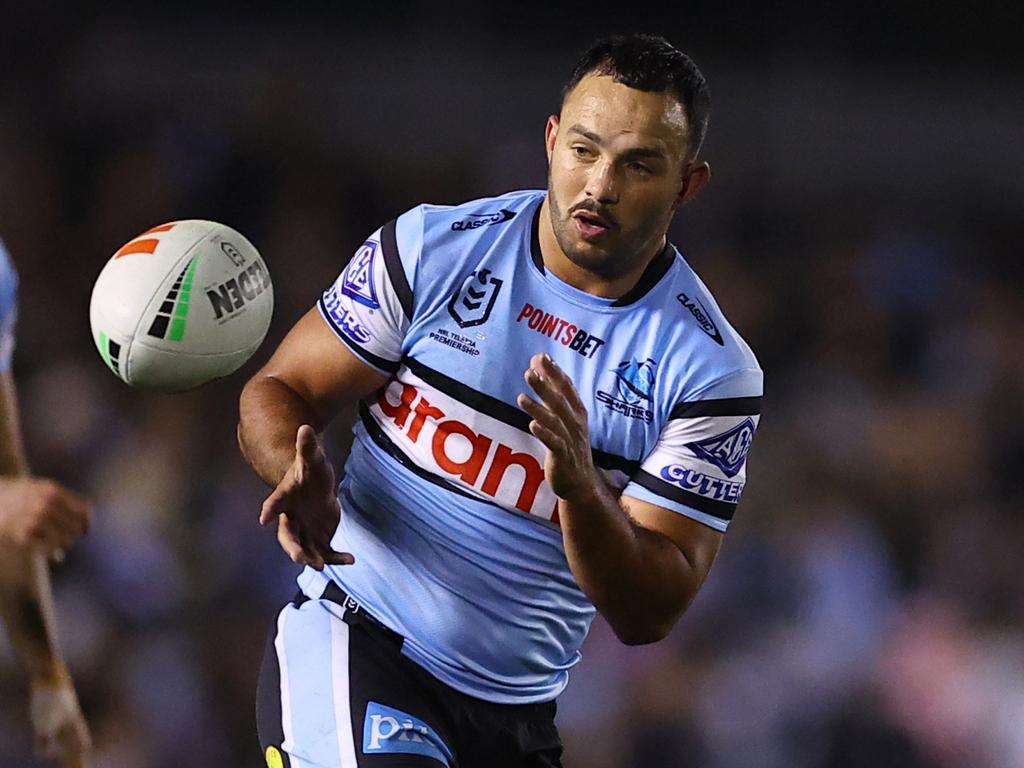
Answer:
(611, 461)
(368, 357)
(655, 271)
(723, 510)
(478, 401)
(728, 406)
(393, 264)
(502, 411)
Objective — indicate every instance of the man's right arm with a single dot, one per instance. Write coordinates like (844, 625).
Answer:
(310, 377)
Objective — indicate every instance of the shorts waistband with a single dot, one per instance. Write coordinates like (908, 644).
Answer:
(355, 613)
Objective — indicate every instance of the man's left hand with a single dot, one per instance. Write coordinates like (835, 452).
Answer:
(560, 422)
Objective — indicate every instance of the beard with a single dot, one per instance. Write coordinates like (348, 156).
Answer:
(609, 261)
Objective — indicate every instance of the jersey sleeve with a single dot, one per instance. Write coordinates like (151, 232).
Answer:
(699, 466)
(8, 308)
(369, 307)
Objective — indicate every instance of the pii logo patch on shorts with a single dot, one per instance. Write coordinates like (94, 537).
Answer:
(387, 730)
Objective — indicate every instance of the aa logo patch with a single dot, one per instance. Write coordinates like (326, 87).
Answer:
(728, 450)
(358, 282)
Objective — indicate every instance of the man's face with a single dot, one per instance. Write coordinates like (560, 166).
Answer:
(616, 171)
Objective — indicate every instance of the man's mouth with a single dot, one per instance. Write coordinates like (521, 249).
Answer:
(590, 225)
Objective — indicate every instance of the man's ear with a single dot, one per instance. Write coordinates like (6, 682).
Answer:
(698, 174)
(550, 134)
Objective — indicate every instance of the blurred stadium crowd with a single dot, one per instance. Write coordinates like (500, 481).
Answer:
(868, 606)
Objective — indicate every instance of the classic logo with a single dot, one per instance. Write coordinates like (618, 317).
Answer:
(559, 329)
(634, 388)
(477, 220)
(704, 485)
(702, 316)
(728, 450)
(358, 280)
(473, 303)
(389, 730)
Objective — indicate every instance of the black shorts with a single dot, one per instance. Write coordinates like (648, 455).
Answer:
(335, 691)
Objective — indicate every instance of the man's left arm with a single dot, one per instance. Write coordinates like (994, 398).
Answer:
(640, 563)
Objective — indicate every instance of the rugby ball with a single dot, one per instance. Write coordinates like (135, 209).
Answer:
(181, 304)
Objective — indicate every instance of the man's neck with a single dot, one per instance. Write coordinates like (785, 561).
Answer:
(556, 262)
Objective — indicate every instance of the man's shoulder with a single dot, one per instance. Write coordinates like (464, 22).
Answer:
(484, 216)
(712, 344)
(432, 240)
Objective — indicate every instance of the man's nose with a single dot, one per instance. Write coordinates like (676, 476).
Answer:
(602, 183)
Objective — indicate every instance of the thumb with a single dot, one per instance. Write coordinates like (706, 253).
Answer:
(307, 445)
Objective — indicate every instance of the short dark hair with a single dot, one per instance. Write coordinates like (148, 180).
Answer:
(650, 63)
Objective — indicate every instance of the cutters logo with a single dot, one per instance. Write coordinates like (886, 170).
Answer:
(634, 388)
(704, 485)
(473, 303)
(457, 450)
(358, 281)
(728, 450)
(702, 316)
(342, 317)
(562, 331)
(477, 220)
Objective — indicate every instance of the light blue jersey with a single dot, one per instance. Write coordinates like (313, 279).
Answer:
(8, 308)
(445, 506)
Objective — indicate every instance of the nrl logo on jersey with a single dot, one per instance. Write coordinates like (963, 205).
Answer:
(727, 451)
(358, 281)
(477, 220)
(473, 303)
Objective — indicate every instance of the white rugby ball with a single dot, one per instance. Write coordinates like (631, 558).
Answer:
(181, 304)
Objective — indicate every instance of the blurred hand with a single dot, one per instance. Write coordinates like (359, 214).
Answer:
(41, 513)
(560, 422)
(60, 729)
(305, 506)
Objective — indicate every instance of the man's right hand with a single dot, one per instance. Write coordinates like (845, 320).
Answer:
(305, 506)
(41, 513)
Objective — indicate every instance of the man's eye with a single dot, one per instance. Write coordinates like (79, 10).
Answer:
(581, 151)
(639, 168)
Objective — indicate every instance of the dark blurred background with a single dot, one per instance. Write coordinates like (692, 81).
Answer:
(862, 231)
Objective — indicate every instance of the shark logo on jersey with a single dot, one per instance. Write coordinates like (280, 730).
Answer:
(635, 380)
(358, 282)
(702, 316)
(728, 450)
(634, 388)
(473, 303)
(477, 220)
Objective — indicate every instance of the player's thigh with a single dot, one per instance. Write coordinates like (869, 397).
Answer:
(336, 695)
